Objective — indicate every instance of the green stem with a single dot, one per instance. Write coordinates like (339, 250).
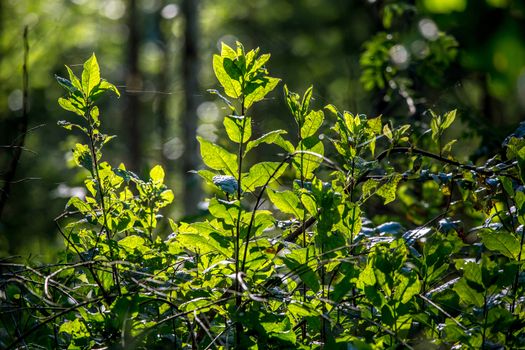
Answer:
(485, 316)
(256, 206)
(238, 296)
(303, 219)
(516, 277)
(101, 193)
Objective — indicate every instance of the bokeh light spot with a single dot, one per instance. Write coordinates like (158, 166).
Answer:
(169, 11)
(400, 56)
(428, 29)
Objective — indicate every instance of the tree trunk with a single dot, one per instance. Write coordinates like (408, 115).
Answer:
(18, 143)
(190, 65)
(164, 79)
(131, 118)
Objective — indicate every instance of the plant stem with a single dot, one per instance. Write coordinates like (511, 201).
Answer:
(256, 206)
(89, 267)
(101, 193)
(516, 277)
(237, 285)
(413, 150)
(485, 317)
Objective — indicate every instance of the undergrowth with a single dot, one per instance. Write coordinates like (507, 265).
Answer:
(292, 253)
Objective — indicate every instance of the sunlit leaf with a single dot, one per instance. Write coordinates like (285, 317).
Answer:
(287, 202)
(218, 158)
(255, 91)
(260, 174)
(269, 138)
(388, 190)
(232, 87)
(69, 105)
(90, 75)
(312, 123)
(502, 242)
(299, 261)
(448, 119)
(238, 129)
(157, 174)
(468, 295)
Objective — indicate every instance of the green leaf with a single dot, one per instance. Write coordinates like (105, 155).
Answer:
(90, 75)
(101, 88)
(74, 80)
(472, 272)
(222, 211)
(407, 287)
(232, 87)
(104, 85)
(157, 174)
(167, 197)
(197, 242)
(256, 91)
(367, 277)
(80, 205)
(300, 262)
(468, 295)
(502, 242)
(260, 62)
(280, 330)
(206, 175)
(305, 102)
(292, 100)
(227, 52)
(448, 147)
(302, 310)
(71, 105)
(448, 119)
(234, 128)
(499, 319)
(435, 124)
(375, 124)
(309, 203)
(268, 138)
(388, 190)
(134, 242)
(334, 110)
(308, 162)
(75, 328)
(507, 185)
(66, 84)
(260, 173)
(368, 189)
(218, 158)
(387, 132)
(312, 123)
(287, 202)
(82, 156)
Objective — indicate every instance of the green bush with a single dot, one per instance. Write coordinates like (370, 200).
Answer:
(309, 250)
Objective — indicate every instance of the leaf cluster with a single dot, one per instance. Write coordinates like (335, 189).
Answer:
(292, 253)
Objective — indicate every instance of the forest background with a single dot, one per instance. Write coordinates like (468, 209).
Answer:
(438, 54)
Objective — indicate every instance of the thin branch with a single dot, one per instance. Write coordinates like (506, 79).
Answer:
(49, 319)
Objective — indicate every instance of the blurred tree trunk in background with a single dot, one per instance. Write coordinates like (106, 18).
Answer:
(163, 78)
(17, 144)
(131, 118)
(190, 66)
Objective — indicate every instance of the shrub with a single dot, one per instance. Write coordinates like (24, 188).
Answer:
(296, 252)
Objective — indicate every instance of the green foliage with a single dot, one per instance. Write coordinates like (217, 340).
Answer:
(290, 254)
